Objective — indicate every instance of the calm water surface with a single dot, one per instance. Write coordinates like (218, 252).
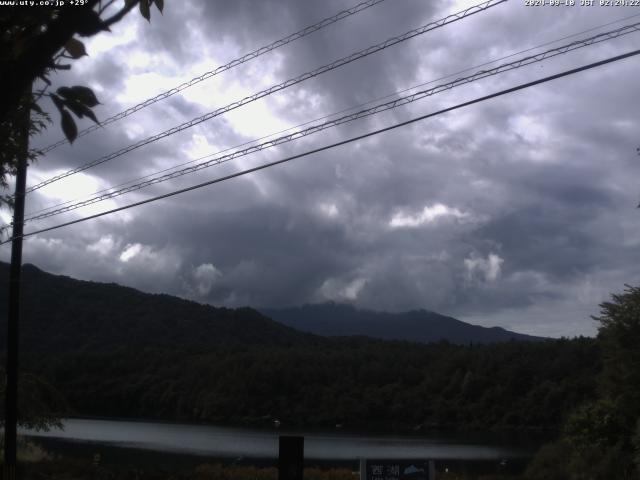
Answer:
(234, 442)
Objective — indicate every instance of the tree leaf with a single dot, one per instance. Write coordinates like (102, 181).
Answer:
(58, 102)
(91, 25)
(85, 95)
(75, 48)
(76, 107)
(64, 92)
(69, 126)
(79, 93)
(35, 107)
(89, 113)
(160, 5)
(80, 110)
(144, 9)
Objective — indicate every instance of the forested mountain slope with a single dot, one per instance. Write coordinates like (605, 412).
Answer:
(64, 314)
(331, 319)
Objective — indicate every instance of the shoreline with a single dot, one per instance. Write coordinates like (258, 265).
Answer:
(347, 430)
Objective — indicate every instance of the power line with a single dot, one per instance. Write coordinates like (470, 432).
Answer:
(561, 50)
(276, 88)
(261, 51)
(397, 93)
(336, 64)
(233, 63)
(337, 144)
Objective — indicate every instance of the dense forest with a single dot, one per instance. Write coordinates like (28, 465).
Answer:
(359, 383)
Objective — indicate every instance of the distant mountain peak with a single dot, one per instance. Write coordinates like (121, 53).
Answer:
(423, 326)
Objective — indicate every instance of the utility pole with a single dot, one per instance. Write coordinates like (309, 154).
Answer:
(11, 391)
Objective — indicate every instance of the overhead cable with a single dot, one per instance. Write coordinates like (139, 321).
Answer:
(337, 144)
(233, 63)
(276, 88)
(348, 118)
(308, 122)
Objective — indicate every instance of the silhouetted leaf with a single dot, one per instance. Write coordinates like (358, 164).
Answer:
(89, 113)
(64, 92)
(58, 102)
(36, 108)
(80, 110)
(79, 93)
(144, 9)
(75, 48)
(91, 25)
(69, 126)
(85, 95)
(76, 107)
(160, 5)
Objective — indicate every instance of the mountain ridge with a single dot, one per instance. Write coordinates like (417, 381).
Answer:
(66, 314)
(423, 326)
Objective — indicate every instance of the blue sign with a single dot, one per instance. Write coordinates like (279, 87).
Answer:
(372, 469)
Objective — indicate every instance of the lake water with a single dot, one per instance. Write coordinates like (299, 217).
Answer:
(222, 442)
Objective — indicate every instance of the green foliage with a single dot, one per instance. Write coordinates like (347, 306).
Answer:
(68, 125)
(33, 44)
(619, 335)
(601, 438)
(349, 381)
(598, 444)
(75, 48)
(28, 452)
(596, 425)
(11, 140)
(550, 463)
(77, 99)
(40, 405)
(145, 7)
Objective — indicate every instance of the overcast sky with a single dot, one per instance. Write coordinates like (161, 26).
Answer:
(518, 212)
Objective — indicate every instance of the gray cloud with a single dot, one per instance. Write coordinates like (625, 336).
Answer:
(517, 212)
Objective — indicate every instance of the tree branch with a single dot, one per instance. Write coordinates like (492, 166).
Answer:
(118, 16)
(107, 5)
(36, 58)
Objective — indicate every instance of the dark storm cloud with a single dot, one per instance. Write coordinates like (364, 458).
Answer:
(349, 85)
(518, 212)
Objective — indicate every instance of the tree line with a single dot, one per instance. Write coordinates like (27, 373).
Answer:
(355, 382)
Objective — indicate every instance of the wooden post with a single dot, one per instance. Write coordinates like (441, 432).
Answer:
(15, 273)
(291, 458)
